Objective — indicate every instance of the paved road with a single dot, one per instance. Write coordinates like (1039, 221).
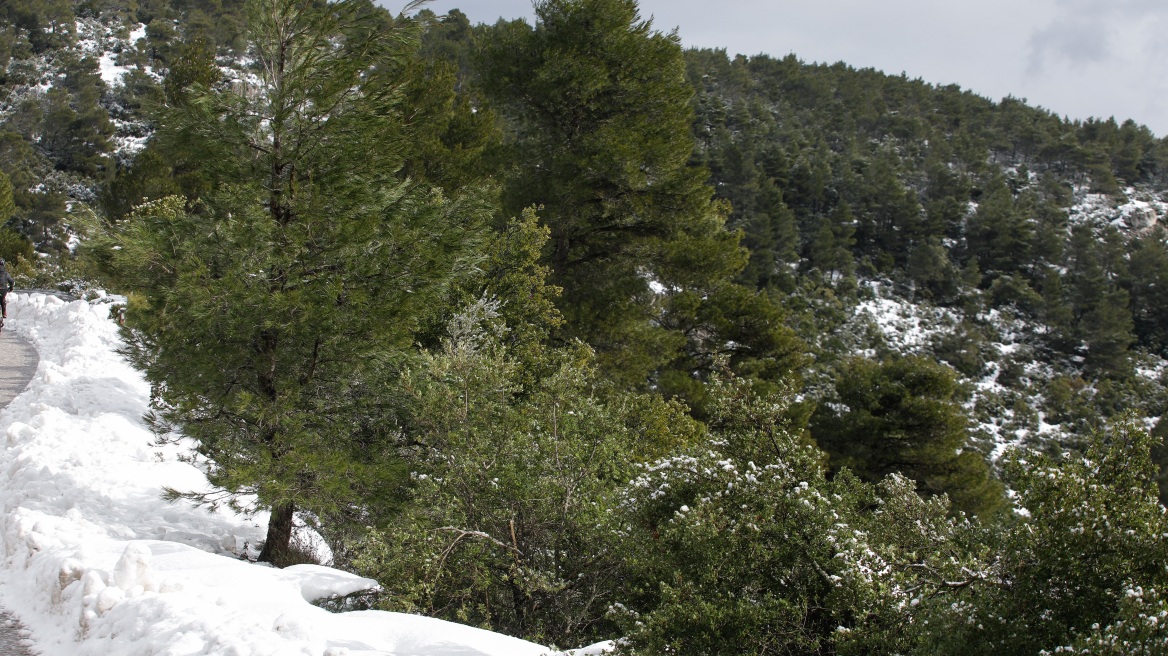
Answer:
(12, 643)
(18, 363)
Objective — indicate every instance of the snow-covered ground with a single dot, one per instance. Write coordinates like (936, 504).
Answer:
(909, 327)
(1135, 209)
(95, 562)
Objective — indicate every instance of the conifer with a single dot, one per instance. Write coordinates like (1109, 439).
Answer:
(599, 105)
(270, 311)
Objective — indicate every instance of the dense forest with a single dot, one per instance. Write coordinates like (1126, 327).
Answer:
(562, 330)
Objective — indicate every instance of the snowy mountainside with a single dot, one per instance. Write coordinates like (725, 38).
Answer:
(111, 46)
(116, 50)
(1137, 209)
(96, 562)
(1009, 393)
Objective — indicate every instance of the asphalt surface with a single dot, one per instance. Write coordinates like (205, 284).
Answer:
(18, 363)
(12, 642)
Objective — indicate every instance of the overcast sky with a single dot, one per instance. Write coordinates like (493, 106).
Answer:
(1078, 58)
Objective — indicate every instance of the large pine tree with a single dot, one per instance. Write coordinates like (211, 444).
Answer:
(269, 311)
(598, 104)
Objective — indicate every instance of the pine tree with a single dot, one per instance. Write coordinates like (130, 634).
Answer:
(76, 131)
(1149, 290)
(998, 235)
(903, 415)
(270, 311)
(13, 247)
(7, 203)
(934, 274)
(1101, 307)
(193, 63)
(599, 106)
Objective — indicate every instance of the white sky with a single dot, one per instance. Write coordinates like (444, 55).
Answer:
(1078, 58)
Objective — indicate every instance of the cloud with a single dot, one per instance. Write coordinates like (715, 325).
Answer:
(1076, 41)
(1090, 32)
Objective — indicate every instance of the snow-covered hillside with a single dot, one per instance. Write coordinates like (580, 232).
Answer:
(95, 562)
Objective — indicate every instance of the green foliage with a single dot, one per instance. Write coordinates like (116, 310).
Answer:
(1159, 456)
(1082, 566)
(41, 219)
(743, 545)
(510, 527)
(936, 276)
(963, 349)
(269, 311)
(1101, 307)
(7, 204)
(904, 415)
(1149, 291)
(998, 234)
(513, 273)
(76, 131)
(598, 105)
(455, 131)
(194, 63)
(150, 176)
(734, 325)
(14, 248)
(311, 231)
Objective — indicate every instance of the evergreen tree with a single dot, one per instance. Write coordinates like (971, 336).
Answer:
(745, 545)
(7, 202)
(510, 527)
(1149, 290)
(889, 214)
(998, 235)
(935, 275)
(77, 133)
(269, 312)
(829, 249)
(43, 215)
(1101, 307)
(903, 415)
(599, 106)
(194, 63)
(15, 249)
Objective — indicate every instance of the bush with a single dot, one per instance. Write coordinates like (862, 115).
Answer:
(510, 527)
(1080, 569)
(744, 546)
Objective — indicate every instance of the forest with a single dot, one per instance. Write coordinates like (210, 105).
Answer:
(559, 329)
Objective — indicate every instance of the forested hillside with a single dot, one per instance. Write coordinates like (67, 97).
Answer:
(564, 331)
(1024, 251)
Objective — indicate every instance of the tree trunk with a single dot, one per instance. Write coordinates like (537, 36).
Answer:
(276, 547)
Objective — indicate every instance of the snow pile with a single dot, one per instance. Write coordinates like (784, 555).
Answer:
(94, 562)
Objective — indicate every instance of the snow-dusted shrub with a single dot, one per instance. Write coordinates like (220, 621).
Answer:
(1081, 568)
(744, 546)
(510, 524)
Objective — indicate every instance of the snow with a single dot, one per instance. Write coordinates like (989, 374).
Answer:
(908, 327)
(1136, 209)
(97, 40)
(94, 561)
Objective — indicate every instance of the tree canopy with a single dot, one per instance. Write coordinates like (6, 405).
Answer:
(269, 311)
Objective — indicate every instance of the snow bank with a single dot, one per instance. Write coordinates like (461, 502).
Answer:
(95, 562)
